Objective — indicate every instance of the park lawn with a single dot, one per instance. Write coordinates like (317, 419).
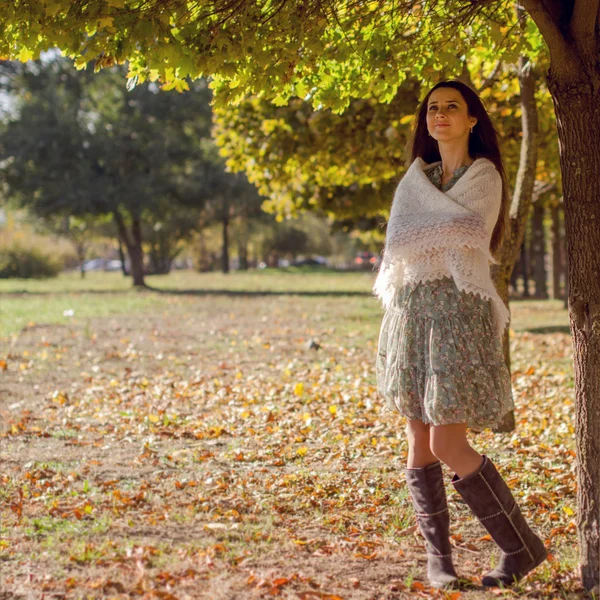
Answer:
(69, 298)
(190, 442)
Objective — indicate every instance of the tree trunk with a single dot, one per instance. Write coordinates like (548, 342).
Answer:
(571, 32)
(203, 260)
(136, 253)
(526, 264)
(243, 241)
(557, 250)
(133, 243)
(521, 202)
(122, 257)
(578, 122)
(81, 259)
(225, 252)
(514, 276)
(520, 269)
(566, 270)
(538, 249)
(243, 255)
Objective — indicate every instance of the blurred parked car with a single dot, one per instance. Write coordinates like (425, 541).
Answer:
(102, 264)
(312, 261)
(367, 260)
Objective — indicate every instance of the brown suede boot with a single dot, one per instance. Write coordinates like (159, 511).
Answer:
(490, 499)
(428, 495)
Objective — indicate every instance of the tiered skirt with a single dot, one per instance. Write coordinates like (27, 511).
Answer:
(440, 359)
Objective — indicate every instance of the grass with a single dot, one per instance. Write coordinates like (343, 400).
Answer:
(39, 303)
(284, 279)
(68, 299)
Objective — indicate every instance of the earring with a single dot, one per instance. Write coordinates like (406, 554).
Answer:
(472, 128)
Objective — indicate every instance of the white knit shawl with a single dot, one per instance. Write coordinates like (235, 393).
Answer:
(432, 234)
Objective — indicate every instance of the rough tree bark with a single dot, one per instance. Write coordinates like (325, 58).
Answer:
(572, 32)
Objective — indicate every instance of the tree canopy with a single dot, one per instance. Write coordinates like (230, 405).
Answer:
(328, 53)
(347, 165)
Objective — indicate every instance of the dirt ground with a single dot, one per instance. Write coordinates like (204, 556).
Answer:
(208, 451)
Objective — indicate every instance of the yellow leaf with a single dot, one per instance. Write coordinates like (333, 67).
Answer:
(568, 510)
(53, 8)
(299, 389)
(105, 22)
(153, 418)
(333, 409)
(302, 451)
(238, 375)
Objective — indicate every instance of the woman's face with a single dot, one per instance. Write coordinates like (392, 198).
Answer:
(447, 116)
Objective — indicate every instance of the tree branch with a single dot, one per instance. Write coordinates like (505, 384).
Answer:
(583, 25)
(489, 82)
(547, 26)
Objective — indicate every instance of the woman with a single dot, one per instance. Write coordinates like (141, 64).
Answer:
(440, 361)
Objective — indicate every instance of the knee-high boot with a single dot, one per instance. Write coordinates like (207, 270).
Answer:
(492, 502)
(428, 495)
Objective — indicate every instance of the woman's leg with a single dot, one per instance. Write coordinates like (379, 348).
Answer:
(492, 502)
(449, 444)
(419, 453)
(425, 482)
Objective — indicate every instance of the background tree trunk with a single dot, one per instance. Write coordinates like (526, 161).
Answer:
(514, 276)
(523, 266)
(557, 250)
(538, 249)
(521, 201)
(526, 255)
(566, 269)
(133, 243)
(242, 240)
(81, 250)
(225, 250)
(122, 257)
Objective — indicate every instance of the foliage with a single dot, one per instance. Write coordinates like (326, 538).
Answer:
(26, 262)
(348, 165)
(326, 52)
(313, 61)
(165, 239)
(81, 145)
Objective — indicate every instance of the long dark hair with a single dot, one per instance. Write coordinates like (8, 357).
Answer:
(483, 143)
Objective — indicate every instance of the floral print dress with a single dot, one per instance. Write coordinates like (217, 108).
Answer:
(439, 358)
